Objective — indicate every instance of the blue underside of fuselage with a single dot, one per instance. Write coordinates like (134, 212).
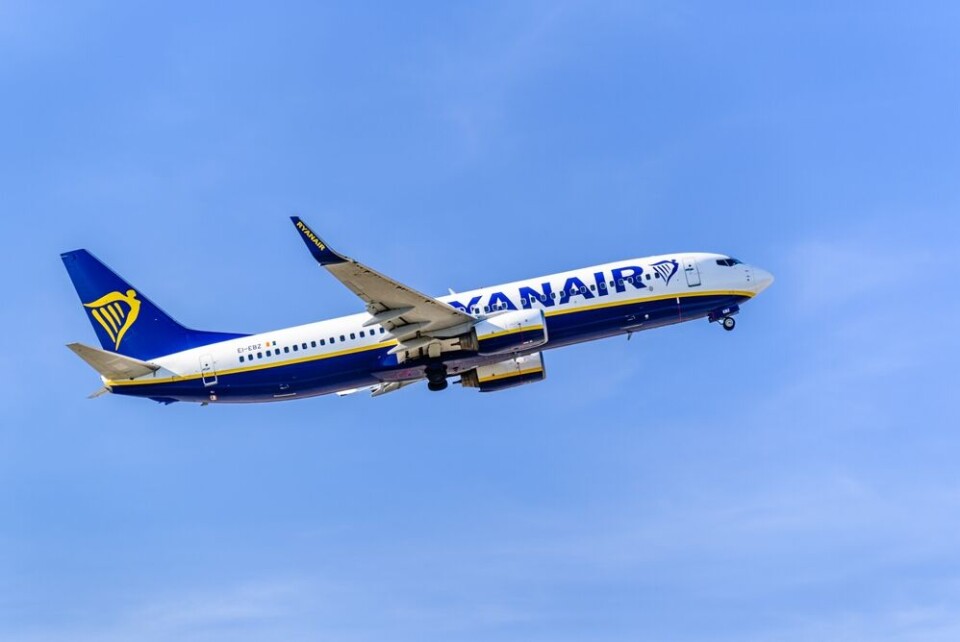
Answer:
(355, 370)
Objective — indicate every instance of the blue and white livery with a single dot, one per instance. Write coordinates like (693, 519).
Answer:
(490, 339)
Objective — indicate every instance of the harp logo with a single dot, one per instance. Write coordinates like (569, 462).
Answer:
(666, 269)
(116, 313)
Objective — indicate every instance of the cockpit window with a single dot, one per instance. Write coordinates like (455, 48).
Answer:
(729, 262)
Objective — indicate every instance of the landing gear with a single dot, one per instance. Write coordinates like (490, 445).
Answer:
(725, 317)
(436, 377)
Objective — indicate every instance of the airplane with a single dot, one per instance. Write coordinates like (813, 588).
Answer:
(490, 339)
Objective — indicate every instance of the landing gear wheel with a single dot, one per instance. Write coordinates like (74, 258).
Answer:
(728, 323)
(436, 378)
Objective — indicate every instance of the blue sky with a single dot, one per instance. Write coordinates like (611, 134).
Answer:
(793, 480)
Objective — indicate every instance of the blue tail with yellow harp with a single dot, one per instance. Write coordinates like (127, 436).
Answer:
(125, 320)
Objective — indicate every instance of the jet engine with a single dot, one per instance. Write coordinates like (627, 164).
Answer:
(506, 374)
(513, 331)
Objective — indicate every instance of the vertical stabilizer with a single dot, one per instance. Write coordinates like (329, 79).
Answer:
(125, 320)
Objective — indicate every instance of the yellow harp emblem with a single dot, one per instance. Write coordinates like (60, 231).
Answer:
(115, 312)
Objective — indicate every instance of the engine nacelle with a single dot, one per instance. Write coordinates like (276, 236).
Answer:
(513, 331)
(506, 374)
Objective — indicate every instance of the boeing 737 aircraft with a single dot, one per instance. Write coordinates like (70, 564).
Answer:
(490, 339)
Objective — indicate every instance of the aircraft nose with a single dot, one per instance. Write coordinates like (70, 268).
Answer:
(762, 279)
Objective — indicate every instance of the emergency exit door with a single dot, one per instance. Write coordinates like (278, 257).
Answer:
(207, 372)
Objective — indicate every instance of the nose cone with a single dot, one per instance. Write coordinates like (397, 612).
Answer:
(761, 279)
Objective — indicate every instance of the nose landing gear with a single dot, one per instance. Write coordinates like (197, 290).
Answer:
(725, 317)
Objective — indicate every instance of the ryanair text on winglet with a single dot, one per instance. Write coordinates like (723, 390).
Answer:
(310, 235)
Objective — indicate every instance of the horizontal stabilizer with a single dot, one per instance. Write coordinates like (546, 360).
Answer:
(112, 365)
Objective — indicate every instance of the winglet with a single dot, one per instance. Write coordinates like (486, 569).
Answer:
(320, 250)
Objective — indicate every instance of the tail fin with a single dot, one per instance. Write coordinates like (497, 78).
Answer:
(126, 321)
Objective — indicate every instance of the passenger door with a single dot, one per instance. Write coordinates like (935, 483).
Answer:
(691, 271)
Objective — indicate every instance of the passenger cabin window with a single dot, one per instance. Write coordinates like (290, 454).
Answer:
(241, 358)
(323, 342)
(342, 338)
(295, 347)
(286, 349)
(313, 344)
(353, 336)
(332, 340)
(259, 355)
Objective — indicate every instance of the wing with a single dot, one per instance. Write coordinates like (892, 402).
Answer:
(401, 309)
